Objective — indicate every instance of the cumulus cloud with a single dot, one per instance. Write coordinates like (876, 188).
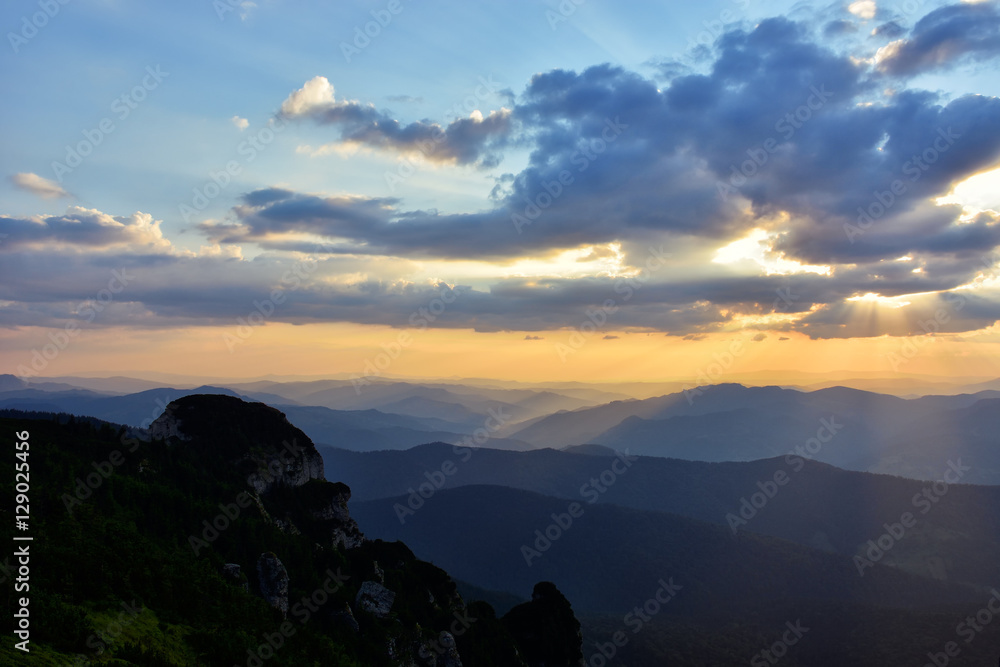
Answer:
(84, 230)
(864, 9)
(240, 123)
(944, 37)
(617, 159)
(36, 185)
(470, 140)
(778, 137)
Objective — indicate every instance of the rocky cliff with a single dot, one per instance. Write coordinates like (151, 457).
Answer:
(275, 457)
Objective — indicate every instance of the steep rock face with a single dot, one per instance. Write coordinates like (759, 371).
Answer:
(441, 653)
(330, 510)
(293, 465)
(375, 599)
(259, 442)
(546, 630)
(167, 426)
(450, 658)
(273, 581)
(344, 616)
(258, 438)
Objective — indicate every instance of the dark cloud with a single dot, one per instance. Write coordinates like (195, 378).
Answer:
(776, 122)
(183, 290)
(463, 141)
(666, 69)
(81, 228)
(937, 313)
(839, 27)
(890, 29)
(777, 132)
(945, 37)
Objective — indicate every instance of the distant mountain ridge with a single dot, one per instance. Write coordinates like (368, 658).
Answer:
(818, 506)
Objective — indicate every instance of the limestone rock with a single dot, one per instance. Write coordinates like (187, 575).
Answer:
(442, 652)
(375, 599)
(344, 616)
(167, 426)
(273, 581)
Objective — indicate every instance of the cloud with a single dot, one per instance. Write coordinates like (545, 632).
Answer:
(615, 158)
(240, 123)
(943, 38)
(759, 337)
(530, 337)
(216, 286)
(610, 337)
(84, 230)
(36, 185)
(405, 99)
(890, 29)
(630, 162)
(777, 136)
(864, 9)
(471, 140)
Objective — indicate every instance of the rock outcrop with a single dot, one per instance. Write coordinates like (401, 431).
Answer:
(274, 456)
(546, 630)
(272, 579)
(166, 427)
(375, 599)
(442, 652)
(329, 508)
(234, 575)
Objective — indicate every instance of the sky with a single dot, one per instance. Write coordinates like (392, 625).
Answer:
(543, 191)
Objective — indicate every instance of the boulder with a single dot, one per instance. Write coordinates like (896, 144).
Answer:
(375, 599)
(273, 581)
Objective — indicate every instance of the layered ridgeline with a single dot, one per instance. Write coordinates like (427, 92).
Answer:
(704, 563)
(218, 540)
